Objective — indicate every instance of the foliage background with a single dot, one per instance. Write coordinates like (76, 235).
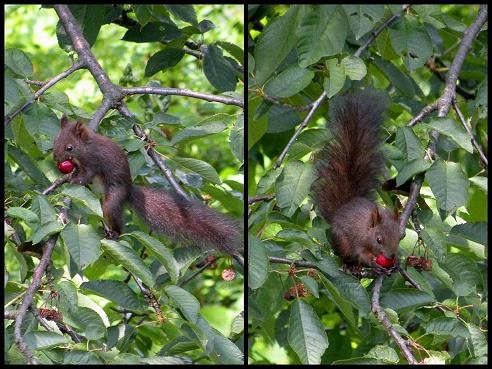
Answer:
(31, 29)
(294, 54)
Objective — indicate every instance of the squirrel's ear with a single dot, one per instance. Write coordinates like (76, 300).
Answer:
(81, 131)
(375, 218)
(64, 121)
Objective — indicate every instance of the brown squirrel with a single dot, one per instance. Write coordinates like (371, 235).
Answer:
(347, 173)
(98, 157)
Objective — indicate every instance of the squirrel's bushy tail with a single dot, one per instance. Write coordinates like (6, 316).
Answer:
(349, 165)
(186, 221)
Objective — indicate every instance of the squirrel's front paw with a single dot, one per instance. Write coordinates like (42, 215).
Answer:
(112, 235)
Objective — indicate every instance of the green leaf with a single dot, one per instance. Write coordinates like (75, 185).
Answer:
(363, 18)
(476, 232)
(258, 265)
(86, 197)
(200, 167)
(383, 43)
(152, 32)
(219, 348)
(163, 60)
(435, 239)
(127, 257)
(185, 301)
(449, 128)
(343, 304)
(195, 132)
(183, 12)
(383, 353)
(293, 186)
(90, 322)
(82, 242)
(115, 291)
(236, 138)
(335, 82)
(143, 13)
(447, 326)
(234, 50)
(449, 184)
(77, 357)
(237, 325)
(478, 340)
(291, 81)
(160, 252)
(257, 127)
(409, 144)
(37, 340)
(414, 44)
(346, 284)
(410, 169)
(281, 118)
(47, 213)
(46, 230)
(397, 78)
(306, 334)
(401, 298)
(19, 63)
(22, 213)
(355, 69)
(311, 285)
(464, 273)
(219, 72)
(322, 33)
(68, 295)
(275, 43)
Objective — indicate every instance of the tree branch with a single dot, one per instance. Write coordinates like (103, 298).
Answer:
(112, 93)
(318, 102)
(443, 103)
(182, 92)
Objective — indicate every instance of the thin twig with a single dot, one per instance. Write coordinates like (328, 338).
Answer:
(42, 90)
(198, 271)
(303, 125)
(383, 319)
(182, 92)
(124, 111)
(483, 158)
(29, 299)
(412, 200)
(380, 29)
(57, 183)
(252, 200)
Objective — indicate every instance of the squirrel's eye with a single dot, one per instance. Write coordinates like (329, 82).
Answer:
(379, 239)
(69, 148)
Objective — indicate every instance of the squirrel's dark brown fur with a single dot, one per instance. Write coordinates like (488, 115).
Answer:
(98, 158)
(348, 169)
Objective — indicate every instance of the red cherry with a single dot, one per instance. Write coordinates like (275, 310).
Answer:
(65, 166)
(384, 262)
